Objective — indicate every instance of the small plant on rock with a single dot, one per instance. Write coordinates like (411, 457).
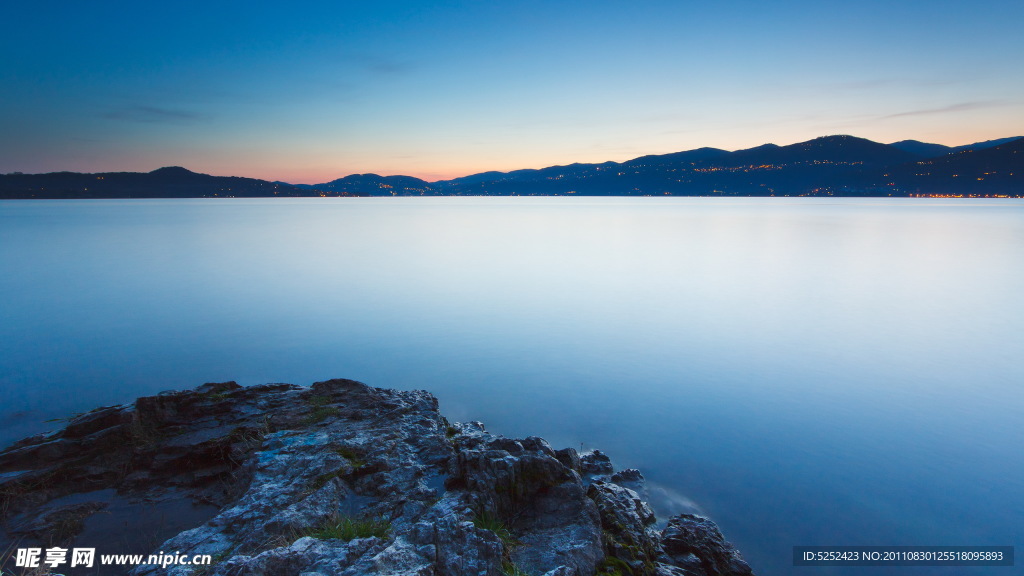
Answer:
(321, 409)
(319, 414)
(487, 521)
(612, 566)
(351, 455)
(347, 528)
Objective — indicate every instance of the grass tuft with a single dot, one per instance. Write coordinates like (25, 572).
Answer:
(488, 521)
(321, 411)
(347, 528)
(319, 400)
(353, 457)
(319, 414)
(323, 479)
(612, 566)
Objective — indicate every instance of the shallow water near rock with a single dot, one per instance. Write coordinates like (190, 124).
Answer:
(805, 371)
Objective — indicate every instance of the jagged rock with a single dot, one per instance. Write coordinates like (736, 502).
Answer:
(341, 479)
(629, 478)
(595, 463)
(696, 543)
(570, 458)
(628, 526)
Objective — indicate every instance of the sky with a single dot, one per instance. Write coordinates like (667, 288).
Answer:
(307, 92)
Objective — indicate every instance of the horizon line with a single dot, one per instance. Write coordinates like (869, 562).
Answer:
(399, 175)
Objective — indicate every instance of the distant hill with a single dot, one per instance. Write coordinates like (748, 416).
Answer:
(374, 185)
(986, 144)
(836, 150)
(985, 171)
(921, 148)
(932, 150)
(699, 154)
(828, 166)
(171, 182)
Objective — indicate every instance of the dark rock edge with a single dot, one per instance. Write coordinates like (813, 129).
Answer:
(276, 463)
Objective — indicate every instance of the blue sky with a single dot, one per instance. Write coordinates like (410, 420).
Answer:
(311, 91)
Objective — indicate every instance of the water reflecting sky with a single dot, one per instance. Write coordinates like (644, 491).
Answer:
(807, 371)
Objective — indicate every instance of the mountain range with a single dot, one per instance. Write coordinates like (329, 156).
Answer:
(826, 166)
(170, 182)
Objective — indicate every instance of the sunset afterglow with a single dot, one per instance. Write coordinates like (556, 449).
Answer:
(311, 92)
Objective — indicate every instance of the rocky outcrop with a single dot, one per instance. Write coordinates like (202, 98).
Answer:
(337, 478)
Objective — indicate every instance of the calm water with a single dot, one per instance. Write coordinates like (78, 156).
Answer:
(807, 372)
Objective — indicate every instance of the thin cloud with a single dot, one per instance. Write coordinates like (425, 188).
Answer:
(155, 115)
(873, 83)
(389, 67)
(962, 107)
(886, 85)
(381, 65)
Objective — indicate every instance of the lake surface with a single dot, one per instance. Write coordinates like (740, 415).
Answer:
(805, 371)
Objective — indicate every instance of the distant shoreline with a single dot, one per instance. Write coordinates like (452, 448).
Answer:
(831, 166)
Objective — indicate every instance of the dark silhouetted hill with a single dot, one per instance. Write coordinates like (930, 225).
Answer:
(919, 148)
(985, 171)
(827, 166)
(170, 182)
(374, 185)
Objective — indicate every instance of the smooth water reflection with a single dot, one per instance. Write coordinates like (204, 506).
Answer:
(808, 372)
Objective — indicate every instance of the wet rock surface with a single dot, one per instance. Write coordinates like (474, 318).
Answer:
(336, 479)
